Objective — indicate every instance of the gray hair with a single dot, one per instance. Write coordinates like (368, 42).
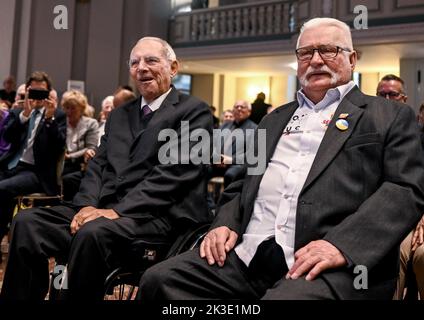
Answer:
(316, 22)
(167, 49)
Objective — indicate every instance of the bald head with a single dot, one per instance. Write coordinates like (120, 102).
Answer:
(122, 97)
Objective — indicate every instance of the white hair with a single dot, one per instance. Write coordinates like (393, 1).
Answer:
(317, 22)
(168, 51)
(246, 103)
(106, 100)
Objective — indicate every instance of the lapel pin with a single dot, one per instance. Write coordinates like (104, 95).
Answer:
(343, 115)
(342, 124)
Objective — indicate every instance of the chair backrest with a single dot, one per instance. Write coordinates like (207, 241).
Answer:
(59, 170)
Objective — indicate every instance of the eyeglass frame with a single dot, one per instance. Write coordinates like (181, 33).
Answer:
(391, 94)
(318, 50)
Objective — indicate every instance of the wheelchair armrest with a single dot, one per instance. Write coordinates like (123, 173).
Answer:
(143, 253)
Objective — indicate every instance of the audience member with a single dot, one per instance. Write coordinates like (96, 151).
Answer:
(8, 93)
(259, 108)
(411, 249)
(344, 184)
(107, 107)
(36, 134)
(4, 113)
(128, 192)
(232, 154)
(227, 116)
(20, 97)
(392, 87)
(122, 97)
(81, 135)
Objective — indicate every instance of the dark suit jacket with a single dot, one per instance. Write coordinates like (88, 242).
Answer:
(259, 110)
(363, 194)
(49, 145)
(126, 174)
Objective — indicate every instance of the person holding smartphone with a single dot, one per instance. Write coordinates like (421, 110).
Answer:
(36, 131)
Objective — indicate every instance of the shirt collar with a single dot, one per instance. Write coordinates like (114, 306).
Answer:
(155, 104)
(333, 95)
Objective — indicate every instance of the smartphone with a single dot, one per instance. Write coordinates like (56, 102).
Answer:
(22, 96)
(38, 94)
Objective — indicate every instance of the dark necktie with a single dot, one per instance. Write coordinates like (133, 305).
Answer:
(145, 115)
(15, 160)
(146, 111)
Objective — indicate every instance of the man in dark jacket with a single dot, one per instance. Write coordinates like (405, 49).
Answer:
(129, 190)
(37, 134)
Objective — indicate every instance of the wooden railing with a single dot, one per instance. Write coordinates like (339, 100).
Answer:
(279, 19)
(264, 19)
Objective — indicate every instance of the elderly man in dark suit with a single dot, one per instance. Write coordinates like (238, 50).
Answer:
(128, 191)
(233, 154)
(37, 134)
(344, 184)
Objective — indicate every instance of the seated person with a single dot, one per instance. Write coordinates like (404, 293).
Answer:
(392, 87)
(8, 93)
(412, 248)
(227, 116)
(36, 133)
(81, 135)
(232, 151)
(4, 113)
(122, 96)
(128, 192)
(343, 185)
(107, 107)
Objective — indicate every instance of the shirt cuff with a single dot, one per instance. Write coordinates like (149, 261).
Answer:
(23, 118)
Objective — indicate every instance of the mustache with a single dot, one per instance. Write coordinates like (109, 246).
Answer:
(311, 70)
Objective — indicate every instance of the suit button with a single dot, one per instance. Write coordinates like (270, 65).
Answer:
(302, 202)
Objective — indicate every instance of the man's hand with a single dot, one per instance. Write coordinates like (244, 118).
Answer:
(418, 236)
(50, 106)
(216, 244)
(89, 154)
(87, 214)
(314, 258)
(27, 104)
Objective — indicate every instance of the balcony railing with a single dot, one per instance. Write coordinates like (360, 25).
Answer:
(243, 22)
(279, 19)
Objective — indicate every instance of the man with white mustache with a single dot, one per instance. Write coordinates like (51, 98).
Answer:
(343, 186)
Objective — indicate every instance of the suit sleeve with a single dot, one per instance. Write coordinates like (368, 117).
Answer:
(384, 219)
(14, 128)
(166, 182)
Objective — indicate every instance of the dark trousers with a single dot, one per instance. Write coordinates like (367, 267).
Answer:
(40, 233)
(187, 277)
(71, 183)
(19, 181)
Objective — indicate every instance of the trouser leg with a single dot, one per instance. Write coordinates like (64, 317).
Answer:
(96, 249)
(37, 234)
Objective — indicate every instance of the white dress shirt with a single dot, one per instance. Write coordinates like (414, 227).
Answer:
(274, 212)
(155, 104)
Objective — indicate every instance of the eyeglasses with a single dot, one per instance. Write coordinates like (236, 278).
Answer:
(391, 94)
(240, 106)
(325, 52)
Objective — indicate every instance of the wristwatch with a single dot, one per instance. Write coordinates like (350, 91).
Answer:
(49, 119)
